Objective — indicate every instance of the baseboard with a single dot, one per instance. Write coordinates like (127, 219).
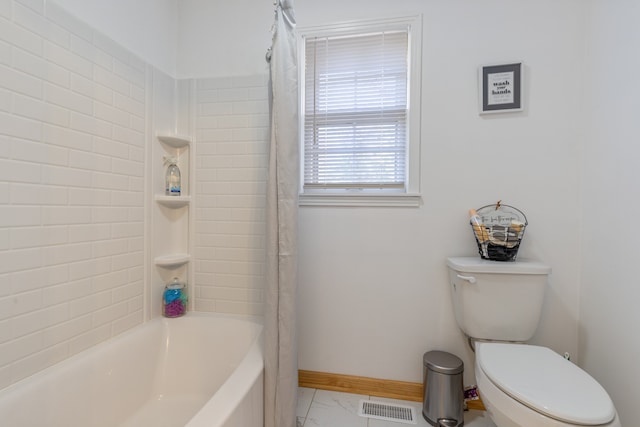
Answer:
(361, 385)
(402, 390)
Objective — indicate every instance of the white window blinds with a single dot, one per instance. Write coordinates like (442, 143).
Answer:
(355, 111)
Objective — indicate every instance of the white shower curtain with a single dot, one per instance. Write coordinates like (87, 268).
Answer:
(281, 355)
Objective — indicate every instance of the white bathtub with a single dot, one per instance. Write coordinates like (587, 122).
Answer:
(200, 370)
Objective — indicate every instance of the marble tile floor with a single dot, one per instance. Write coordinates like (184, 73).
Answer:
(321, 408)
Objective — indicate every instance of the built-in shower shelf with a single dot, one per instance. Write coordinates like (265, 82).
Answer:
(176, 141)
(172, 260)
(173, 201)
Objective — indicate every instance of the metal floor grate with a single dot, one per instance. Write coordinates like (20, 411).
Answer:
(388, 412)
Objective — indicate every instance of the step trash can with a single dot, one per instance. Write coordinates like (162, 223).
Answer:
(443, 389)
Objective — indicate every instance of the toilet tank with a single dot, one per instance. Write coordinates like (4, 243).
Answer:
(496, 300)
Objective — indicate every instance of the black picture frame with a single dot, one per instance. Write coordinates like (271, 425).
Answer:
(501, 88)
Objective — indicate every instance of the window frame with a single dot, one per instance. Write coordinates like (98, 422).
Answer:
(409, 196)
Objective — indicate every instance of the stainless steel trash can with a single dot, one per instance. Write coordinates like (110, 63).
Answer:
(443, 390)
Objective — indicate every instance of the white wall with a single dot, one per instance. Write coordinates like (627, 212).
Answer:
(148, 28)
(609, 294)
(223, 38)
(374, 291)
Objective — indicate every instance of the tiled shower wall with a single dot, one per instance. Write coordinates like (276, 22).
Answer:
(76, 113)
(72, 162)
(232, 121)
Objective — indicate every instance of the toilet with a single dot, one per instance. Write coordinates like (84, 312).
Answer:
(498, 306)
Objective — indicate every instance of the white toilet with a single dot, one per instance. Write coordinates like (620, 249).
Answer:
(498, 305)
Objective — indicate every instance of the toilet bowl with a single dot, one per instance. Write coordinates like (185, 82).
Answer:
(525, 386)
(497, 306)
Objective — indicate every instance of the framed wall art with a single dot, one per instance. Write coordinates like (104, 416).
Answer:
(500, 88)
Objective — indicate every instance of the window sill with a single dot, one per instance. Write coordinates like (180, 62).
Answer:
(361, 200)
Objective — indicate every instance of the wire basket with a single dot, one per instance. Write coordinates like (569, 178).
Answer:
(499, 232)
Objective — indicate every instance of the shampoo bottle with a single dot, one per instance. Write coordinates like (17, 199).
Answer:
(172, 178)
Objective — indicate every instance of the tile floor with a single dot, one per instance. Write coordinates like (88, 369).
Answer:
(321, 408)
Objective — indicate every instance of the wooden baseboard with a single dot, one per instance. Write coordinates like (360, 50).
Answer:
(369, 386)
(361, 385)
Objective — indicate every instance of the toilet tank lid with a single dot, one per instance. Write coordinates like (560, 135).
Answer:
(479, 265)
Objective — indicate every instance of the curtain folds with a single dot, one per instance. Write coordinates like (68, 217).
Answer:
(281, 356)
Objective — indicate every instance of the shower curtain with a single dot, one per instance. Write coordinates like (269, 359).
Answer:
(281, 356)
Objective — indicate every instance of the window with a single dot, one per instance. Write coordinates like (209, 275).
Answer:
(360, 113)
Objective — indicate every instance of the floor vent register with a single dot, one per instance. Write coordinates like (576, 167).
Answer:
(388, 412)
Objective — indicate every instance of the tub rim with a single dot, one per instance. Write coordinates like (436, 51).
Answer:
(254, 354)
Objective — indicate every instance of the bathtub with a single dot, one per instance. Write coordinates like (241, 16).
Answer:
(200, 370)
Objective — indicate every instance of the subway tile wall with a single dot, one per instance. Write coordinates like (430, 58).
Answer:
(72, 161)
(73, 134)
(232, 133)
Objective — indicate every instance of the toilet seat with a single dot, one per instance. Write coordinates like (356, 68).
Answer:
(545, 382)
